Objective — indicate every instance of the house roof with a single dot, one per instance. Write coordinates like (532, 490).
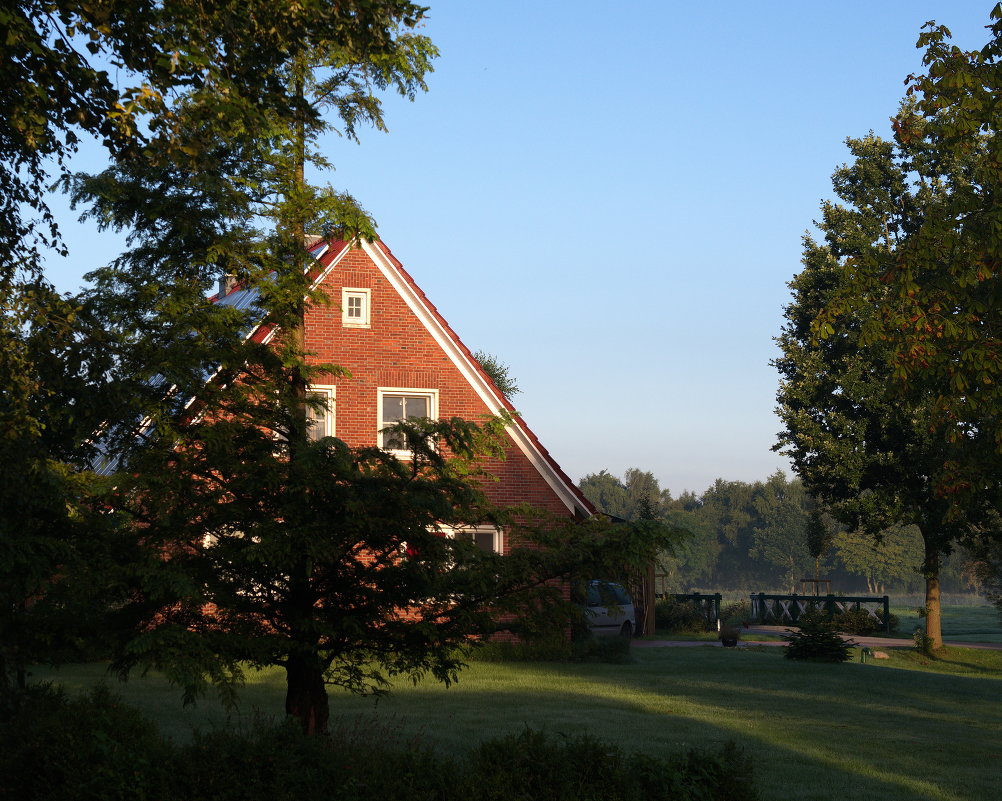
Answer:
(461, 355)
(328, 254)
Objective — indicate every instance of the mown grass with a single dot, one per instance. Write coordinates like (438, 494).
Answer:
(709, 636)
(892, 729)
(951, 660)
(960, 623)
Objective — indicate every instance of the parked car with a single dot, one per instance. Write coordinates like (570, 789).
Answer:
(610, 609)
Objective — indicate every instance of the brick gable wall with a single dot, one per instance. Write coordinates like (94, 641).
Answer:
(397, 350)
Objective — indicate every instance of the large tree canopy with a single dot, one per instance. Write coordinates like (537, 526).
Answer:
(932, 301)
(875, 454)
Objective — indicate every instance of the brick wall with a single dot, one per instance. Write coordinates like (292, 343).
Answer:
(397, 350)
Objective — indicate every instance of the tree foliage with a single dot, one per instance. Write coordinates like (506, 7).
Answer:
(499, 372)
(345, 566)
(875, 455)
(198, 89)
(939, 318)
(932, 301)
(891, 558)
(758, 537)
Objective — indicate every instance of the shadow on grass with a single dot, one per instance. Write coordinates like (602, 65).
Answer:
(814, 732)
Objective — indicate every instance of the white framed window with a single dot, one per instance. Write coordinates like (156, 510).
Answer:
(486, 538)
(320, 421)
(355, 304)
(396, 404)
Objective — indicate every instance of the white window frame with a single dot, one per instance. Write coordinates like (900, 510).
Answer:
(451, 532)
(366, 298)
(410, 392)
(329, 391)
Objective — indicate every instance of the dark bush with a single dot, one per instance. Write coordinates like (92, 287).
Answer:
(736, 613)
(675, 615)
(817, 640)
(860, 622)
(611, 650)
(535, 765)
(96, 748)
(78, 749)
(554, 649)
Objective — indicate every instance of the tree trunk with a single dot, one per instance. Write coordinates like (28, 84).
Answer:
(306, 695)
(933, 613)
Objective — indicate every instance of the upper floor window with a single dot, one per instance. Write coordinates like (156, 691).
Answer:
(403, 404)
(355, 307)
(320, 418)
(486, 538)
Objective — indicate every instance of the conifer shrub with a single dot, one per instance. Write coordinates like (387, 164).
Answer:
(817, 640)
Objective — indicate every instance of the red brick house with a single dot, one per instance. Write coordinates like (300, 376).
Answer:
(405, 361)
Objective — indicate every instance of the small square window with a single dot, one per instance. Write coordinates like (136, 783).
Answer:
(355, 307)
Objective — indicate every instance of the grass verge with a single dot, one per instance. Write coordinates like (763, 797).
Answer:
(894, 731)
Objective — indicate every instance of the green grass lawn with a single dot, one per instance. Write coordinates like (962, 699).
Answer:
(960, 623)
(891, 729)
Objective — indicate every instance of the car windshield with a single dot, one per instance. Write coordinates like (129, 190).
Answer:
(601, 593)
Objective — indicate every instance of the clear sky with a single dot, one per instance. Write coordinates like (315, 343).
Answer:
(610, 197)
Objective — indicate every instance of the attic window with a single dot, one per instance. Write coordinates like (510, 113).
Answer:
(355, 307)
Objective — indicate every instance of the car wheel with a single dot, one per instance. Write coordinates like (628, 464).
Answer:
(627, 630)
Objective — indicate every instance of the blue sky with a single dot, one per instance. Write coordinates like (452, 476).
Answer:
(610, 197)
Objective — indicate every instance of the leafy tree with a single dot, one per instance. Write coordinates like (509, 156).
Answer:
(219, 188)
(692, 561)
(729, 508)
(47, 411)
(933, 300)
(55, 81)
(781, 532)
(499, 372)
(894, 556)
(821, 531)
(345, 566)
(607, 493)
(626, 498)
(188, 64)
(861, 447)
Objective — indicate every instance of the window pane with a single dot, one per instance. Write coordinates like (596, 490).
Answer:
(393, 409)
(417, 407)
(354, 306)
(484, 540)
(316, 420)
(394, 441)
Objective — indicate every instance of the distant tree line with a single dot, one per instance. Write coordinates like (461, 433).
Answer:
(767, 536)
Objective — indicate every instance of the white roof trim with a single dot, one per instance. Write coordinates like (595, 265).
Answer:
(471, 374)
